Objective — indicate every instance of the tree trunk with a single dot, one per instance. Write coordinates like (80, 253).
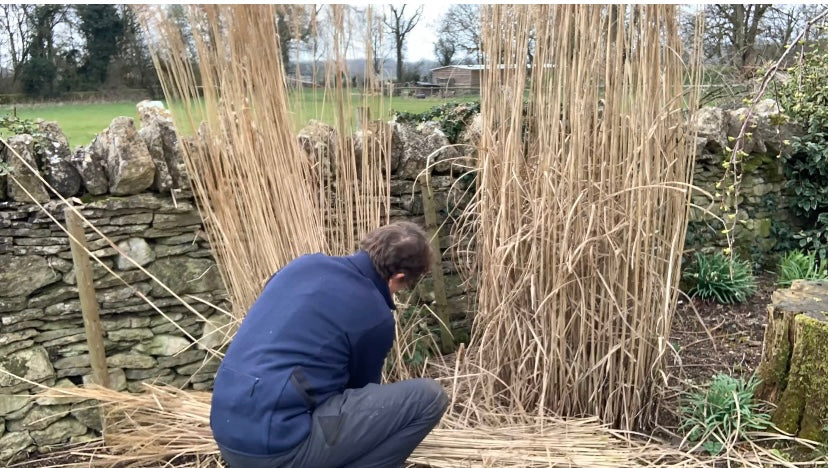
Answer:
(399, 60)
(794, 366)
(739, 27)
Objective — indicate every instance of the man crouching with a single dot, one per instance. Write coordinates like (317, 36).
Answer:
(300, 385)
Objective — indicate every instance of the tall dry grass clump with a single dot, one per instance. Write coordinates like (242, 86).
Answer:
(264, 202)
(353, 178)
(247, 170)
(582, 202)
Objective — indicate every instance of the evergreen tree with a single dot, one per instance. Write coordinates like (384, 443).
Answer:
(103, 29)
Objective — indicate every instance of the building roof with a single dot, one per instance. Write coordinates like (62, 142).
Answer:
(462, 67)
(483, 67)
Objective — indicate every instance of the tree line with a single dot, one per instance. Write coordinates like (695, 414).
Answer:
(735, 35)
(49, 50)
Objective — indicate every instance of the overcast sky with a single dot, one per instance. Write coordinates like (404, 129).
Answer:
(421, 41)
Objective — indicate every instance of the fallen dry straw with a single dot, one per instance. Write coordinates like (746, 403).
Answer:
(166, 424)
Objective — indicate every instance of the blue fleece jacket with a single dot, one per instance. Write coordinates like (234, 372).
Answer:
(322, 324)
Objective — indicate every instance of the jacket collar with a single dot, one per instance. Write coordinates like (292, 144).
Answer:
(362, 261)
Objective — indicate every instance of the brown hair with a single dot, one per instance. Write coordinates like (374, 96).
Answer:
(401, 247)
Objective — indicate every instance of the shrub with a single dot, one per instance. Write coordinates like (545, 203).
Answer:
(797, 265)
(723, 413)
(715, 276)
(804, 99)
(453, 117)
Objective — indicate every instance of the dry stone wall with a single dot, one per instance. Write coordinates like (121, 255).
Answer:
(133, 188)
(763, 216)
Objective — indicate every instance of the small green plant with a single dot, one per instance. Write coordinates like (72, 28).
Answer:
(452, 117)
(715, 276)
(798, 265)
(17, 126)
(723, 413)
(416, 342)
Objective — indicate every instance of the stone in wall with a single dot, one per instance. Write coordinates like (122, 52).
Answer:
(129, 166)
(712, 123)
(22, 275)
(56, 158)
(13, 445)
(185, 275)
(217, 330)
(90, 162)
(469, 139)
(58, 432)
(159, 134)
(164, 345)
(151, 135)
(319, 142)
(39, 418)
(417, 146)
(31, 364)
(768, 126)
(372, 142)
(135, 249)
(117, 379)
(27, 181)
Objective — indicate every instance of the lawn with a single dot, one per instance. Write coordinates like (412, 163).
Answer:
(81, 122)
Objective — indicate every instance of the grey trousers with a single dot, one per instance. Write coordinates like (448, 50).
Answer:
(377, 426)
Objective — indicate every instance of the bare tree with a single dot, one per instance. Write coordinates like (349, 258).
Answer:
(15, 21)
(733, 30)
(460, 27)
(399, 26)
(785, 22)
(744, 36)
(375, 39)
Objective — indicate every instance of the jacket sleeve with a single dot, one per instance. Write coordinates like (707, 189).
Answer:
(368, 353)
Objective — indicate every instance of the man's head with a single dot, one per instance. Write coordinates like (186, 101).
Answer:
(401, 253)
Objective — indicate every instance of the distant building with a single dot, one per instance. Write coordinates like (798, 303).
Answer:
(458, 76)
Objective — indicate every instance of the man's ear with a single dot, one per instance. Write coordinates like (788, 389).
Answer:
(397, 282)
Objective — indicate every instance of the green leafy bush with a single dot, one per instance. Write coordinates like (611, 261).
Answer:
(715, 276)
(798, 265)
(723, 413)
(805, 99)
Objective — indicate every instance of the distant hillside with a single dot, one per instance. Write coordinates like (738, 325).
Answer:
(356, 67)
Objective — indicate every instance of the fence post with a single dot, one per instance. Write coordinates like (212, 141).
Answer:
(89, 303)
(441, 301)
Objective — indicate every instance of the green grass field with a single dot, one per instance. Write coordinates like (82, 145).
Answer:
(81, 122)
